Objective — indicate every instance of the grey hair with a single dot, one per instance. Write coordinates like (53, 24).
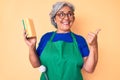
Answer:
(56, 7)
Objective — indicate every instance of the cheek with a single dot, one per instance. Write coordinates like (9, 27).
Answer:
(57, 20)
(73, 19)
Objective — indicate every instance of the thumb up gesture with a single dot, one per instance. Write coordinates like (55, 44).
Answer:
(92, 37)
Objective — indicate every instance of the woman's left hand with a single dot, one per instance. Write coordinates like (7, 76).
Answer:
(91, 61)
(92, 37)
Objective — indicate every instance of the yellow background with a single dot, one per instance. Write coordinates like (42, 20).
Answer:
(90, 15)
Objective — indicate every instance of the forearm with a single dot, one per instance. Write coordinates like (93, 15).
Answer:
(91, 61)
(33, 57)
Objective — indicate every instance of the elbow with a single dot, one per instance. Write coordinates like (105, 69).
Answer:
(35, 65)
(89, 69)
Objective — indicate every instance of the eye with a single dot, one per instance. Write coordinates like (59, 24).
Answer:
(70, 14)
(61, 14)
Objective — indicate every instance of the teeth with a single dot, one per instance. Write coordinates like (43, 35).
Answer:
(66, 23)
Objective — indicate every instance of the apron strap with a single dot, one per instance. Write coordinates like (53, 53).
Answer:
(74, 39)
(52, 36)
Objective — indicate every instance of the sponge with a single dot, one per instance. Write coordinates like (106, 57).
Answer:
(29, 27)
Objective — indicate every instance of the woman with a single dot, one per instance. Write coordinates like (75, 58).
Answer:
(63, 52)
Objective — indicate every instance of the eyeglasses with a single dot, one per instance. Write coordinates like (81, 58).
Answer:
(63, 15)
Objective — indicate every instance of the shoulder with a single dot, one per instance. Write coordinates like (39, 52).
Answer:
(80, 40)
(43, 42)
(82, 45)
(47, 35)
(79, 37)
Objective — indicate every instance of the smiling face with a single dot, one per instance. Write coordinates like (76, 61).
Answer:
(64, 19)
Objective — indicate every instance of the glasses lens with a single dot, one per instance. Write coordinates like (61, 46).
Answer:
(62, 15)
(70, 14)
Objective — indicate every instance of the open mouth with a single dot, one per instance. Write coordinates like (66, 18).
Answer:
(65, 23)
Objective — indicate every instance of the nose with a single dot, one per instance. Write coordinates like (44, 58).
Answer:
(66, 17)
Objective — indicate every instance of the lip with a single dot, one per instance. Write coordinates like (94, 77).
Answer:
(65, 23)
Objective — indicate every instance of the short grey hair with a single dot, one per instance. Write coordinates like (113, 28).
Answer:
(56, 7)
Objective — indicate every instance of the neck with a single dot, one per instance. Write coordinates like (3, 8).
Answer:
(59, 31)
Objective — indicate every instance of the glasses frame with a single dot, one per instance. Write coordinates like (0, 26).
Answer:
(62, 15)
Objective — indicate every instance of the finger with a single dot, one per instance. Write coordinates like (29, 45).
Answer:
(97, 31)
(24, 34)
(91, 34)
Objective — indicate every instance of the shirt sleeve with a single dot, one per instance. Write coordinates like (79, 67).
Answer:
(82, 45)
(42, 43)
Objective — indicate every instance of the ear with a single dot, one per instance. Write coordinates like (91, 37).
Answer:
(74, 18)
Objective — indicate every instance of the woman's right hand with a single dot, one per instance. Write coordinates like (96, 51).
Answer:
(31, 42)
(33, 57)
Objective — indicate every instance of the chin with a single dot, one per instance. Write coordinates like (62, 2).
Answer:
(66, 28)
